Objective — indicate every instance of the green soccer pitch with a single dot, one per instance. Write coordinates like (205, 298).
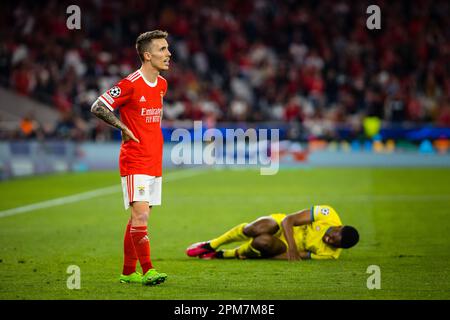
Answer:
(402, 216)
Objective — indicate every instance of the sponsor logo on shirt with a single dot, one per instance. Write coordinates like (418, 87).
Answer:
(152, 115)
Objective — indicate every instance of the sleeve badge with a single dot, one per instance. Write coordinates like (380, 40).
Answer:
(114, 92)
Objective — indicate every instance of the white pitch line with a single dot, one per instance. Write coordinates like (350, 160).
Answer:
(337, 198)
(89, 195)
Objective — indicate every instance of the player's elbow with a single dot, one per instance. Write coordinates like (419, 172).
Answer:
(286, 222)
(94, 106)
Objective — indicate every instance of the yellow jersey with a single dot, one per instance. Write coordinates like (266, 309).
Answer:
(309, 237)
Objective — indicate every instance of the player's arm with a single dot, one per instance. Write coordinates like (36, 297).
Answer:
(289, 222)
(101, 111)
(304, 255)
(322, 256)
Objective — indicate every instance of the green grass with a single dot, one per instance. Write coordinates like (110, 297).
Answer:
(402, 216)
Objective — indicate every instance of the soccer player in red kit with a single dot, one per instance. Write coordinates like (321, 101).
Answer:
(139, 99)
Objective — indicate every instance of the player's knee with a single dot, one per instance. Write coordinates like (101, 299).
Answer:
(263, 243)
(249, 230)
(265, 225)
(140, 214)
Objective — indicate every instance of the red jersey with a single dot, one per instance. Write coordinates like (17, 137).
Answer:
(140, 105)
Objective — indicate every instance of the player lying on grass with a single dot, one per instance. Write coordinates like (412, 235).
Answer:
(315, 233)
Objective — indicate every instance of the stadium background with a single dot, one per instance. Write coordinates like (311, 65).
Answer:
(340, 94)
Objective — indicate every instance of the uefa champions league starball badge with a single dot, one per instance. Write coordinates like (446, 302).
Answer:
(114, 92)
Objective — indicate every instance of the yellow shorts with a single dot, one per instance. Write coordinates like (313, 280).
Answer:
(278, 217)
(298, 232)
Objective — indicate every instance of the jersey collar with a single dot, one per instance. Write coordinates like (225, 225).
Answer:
(150, 84)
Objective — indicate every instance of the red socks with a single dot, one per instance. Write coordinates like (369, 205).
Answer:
(136, 245)
(129, 254)
(141, 246)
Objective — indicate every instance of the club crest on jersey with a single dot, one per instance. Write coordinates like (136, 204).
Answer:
(114, 92)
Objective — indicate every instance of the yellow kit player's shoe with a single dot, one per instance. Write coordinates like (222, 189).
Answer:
(198, 249)
(212, 255)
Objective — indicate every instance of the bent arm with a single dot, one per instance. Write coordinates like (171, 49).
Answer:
(289, 222)
(102, 112)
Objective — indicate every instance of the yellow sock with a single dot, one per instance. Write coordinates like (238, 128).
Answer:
(233, 235)
(229, 253)
(247, 251)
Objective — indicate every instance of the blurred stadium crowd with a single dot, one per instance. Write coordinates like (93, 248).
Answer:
(310, 63)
